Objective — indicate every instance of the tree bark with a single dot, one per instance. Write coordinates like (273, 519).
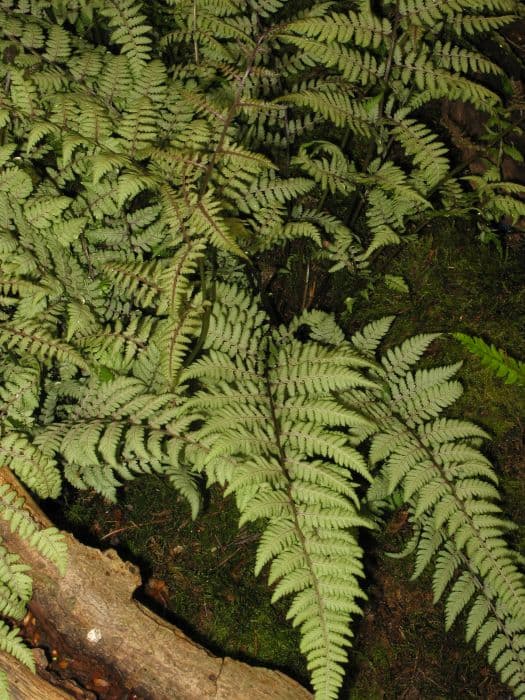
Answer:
(98, 636)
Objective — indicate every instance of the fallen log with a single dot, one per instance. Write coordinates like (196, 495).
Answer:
(99, 637)
(23, 684)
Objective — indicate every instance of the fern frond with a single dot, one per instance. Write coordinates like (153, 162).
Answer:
(363, 29)
(450, 489)
(136, 176)
(15, 585)
(30, 338)
(19, 393)
(58, 45)
(512, 371)
(36, 470)
(12, 643)
(292, 470)
(398, 360)
(4, 686)
(429, 155)
(428, 12)
(51, 544)
(335, 106)
(462, 60)
(173, 338)
(136, 281)
(481, 24)
(130, 30)
(208, 222)
(118, 345)
(234, 329)
(327, 165)
(368, 339)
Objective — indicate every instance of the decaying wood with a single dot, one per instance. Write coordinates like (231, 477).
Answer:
(115, 647)
(24, 684)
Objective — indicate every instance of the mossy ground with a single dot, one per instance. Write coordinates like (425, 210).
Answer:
(201, 572)
(197, 573)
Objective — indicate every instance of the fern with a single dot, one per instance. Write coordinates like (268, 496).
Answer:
(129, 31)
(290, 466)
(4, 686)
(12, 643)
(152, 153)
(512, 371)
(451, 491)
(15, 582)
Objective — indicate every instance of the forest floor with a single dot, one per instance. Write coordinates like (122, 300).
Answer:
(199, 574)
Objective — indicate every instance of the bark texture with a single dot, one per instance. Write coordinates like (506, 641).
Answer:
(23, 684)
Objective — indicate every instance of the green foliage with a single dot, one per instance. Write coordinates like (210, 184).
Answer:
(12, 643)
(4, 686)
(15, 583)
(151, 154)
(509, 369)
(450, 488)
(272, 431)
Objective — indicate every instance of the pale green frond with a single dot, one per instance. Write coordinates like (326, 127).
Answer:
(460, 595)
(327, 165)
(477, 616)
(176, 277)
(58, 45)
(399, 359)
(449, 487)
(173, 338)
(462, 60)
(449, 429)
(136, 280)
(187, 485)
(34, 468)
(207, 221)
(368, 338)
(32, 339)
(15, 183)
(41, 212)
(24, 95)
(236, 325)
(364, 29)
(293, 471)
(154, 193)
(428, 154)
(12, 643)
(322, 325)
(51, 543)
(4, 686)
(335, 106)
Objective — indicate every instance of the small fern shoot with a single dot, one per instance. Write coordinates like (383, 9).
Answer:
(510, 370)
